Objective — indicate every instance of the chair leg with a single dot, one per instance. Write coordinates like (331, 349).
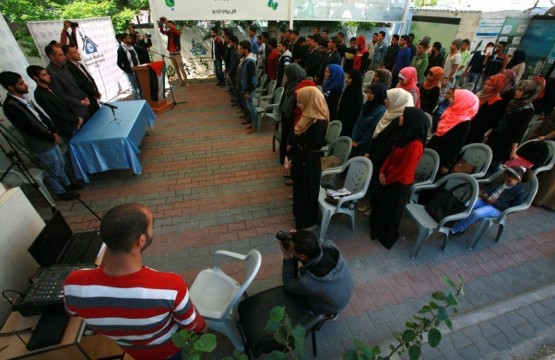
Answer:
(484, 226)
(423, 235)
(314, 348)
(326, 217)
(352, 215)
(499, 232)
(228, 327)
(273, 144)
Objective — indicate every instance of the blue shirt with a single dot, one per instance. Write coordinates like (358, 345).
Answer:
(403, 59)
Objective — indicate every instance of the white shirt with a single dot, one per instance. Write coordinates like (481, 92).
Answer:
(450, 61)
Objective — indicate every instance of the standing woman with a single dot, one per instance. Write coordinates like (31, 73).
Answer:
(508, 91)
(294, 74)
(396, 176)
(408, 79)
(362, 56)
(517, 63)
(490, 112)
(430, 88)
(334, 79)
(310, 133)
(453, 128)
(372, 111)
(350, 102)
(505, 138)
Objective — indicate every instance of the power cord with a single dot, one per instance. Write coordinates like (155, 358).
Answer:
(10, 300)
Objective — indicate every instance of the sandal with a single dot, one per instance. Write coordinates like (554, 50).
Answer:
(364, 208)
(367, 213)
(289, 182)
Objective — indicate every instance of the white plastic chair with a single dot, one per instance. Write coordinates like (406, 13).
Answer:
(342, 150)
(427, 169)
(367, 80)
(356, 181)
(479, 155)
(468, 86)
(334, 130)
(485, 223)
(216, 295)
(270, 111)
(549, 162)
(427, 225)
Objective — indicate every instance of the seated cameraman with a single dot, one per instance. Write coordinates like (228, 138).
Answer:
(324, 281)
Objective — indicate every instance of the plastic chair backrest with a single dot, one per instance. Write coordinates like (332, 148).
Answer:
(278, 93)
(342, 148)
(262, 81)
(428, 166)
(468, 86)
(550, 158)
(271, 86)
(360, 171)
(334, 130)
(468, 194)
(368, 76)
(430, 125)
(319, 87)
(479, 155)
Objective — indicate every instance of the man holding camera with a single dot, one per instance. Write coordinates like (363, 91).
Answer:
(324, 281)
(174, 48)
(65, 37)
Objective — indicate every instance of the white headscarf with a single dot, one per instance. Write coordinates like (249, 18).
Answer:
(399, 99)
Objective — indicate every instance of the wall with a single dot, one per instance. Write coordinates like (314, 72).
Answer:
(467, 27)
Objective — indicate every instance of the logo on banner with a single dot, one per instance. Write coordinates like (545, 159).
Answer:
(89, 46)
(170, 4)
(198, 49)
(272, 4)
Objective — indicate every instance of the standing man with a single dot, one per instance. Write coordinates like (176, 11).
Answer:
(284, 60)
(350, 53)
(272, 59)
(261, 56)
(465, 59)
(174, 48)
(411, 46)
(420, 61)
(450, 67)
(82, 77)
(495, 63)
(39, 134)
(380, 49)
(127, 59)
(248, 83)
(402, 60)
(252, 39)
(474, 70)
(217, 56)
(388, 60)
(314, 58)
(371, 46)
(341, 46)
(65, 37)
(436, 56)
(137, 307)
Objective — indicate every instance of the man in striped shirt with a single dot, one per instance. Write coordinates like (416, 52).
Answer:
(138, 307)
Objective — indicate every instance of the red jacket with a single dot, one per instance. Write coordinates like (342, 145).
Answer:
(271, 64)
(401, 163)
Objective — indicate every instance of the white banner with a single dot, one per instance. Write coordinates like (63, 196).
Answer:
(221, 9)
(98, 48)
(351, 10)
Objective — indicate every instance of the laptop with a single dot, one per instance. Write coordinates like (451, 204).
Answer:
(57, 244)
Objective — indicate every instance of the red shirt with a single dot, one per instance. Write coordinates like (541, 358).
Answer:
(401, 163)
(271, 64)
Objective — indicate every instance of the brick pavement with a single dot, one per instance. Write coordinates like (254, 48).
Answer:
(211, 186)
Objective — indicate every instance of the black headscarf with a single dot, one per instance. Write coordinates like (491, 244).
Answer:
(415, 126)
(519, 56)
(355, 88)
(380, 94)
(295, 74)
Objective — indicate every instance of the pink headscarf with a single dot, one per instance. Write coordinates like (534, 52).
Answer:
(411, 78)
(463, 108)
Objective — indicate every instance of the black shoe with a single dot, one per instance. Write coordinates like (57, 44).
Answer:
(69, 195)
(456, 234)
(74, 186)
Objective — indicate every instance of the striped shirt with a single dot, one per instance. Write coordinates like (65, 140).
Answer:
(139, 311)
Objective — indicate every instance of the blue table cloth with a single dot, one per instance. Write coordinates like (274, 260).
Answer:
(106, 144)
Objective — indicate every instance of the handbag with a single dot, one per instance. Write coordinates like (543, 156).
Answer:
(463, 167)
(445, 203)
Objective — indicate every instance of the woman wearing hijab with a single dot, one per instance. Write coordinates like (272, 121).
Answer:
(334, 79)
(453, 128)
(508, 91)
(372, 111)
(310, 133)
(408, 79)
(505, 138)
(382, 76)
(396, 176)
(386, 133)
(517, 63)
(490, 111)
(430, 88)
(361, 60)
(350, 102)
(294, 74)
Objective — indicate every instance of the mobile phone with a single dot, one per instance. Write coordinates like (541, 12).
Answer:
(489, 50)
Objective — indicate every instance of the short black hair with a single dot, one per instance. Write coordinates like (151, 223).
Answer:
(9, 78)
(374, 34)
(122, 225)
(334, 40)
(437, 45)
(284, 43)
(266, 35)
(396, 36)
(234, 39)
(272, 42)
(311, 37)
(327, 31)
(504, 43)
(383, 33)
(353, 39)
(49, 49)
(252, 28)
(323, 43)
(34, 70)
(306, 243)
(466, 41)
(245, 45)
(316, 27)
(405, 37)
(214, 29)
(425, 44)
(65, 48)
(342, 34)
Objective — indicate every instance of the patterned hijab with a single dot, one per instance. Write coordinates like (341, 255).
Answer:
(437, 73)
(463, 108)
(530, 90)
(336, 79)
(384, 77)
(498, 82)
(294, 74)
(399, 99)
(510, 80)
(315, 108)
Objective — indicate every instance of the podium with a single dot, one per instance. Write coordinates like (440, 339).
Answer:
(146, 75)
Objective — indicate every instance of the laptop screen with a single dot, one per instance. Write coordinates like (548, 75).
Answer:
(50, 243)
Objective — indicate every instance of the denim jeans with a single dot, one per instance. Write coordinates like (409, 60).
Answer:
(480, 210)
(53, 160)
(219, 72)
(252, 110)
(134, 86)
(473, 78)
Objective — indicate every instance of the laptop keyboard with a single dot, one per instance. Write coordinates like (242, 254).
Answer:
(78, 247)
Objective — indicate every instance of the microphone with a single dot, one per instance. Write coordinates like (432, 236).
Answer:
(109, 105)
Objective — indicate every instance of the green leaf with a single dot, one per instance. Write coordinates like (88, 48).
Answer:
(439, 295)
(377, 351)
(359, 344)
(434, 305)
(271, 326)
(179, 340)
(209, 342)
(442, 314)
(449, 324)
(391, 347)
(350, 355)
(277, 313)
(425, 309)
(195, 356)
(414, 352)
(452, 300)
(447, 280)
(434, 337)
(277, 355)
(298, 332)
(408, 336)
(411, 325)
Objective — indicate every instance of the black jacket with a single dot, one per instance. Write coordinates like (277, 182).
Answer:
(87, 84)
(123, 61)
(59, 111)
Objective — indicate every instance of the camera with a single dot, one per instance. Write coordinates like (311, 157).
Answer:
(285, 238)
(74, 24)
(147, 35)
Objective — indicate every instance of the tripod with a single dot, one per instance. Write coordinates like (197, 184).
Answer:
(13, 154)
(164, 57)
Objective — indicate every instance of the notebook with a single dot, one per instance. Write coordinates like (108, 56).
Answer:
(57, 244)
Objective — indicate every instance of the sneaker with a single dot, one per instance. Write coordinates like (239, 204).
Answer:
(248, 127)
(69, 195)
(74, 186)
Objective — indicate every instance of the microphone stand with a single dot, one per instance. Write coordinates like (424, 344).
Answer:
(164, 57)
(113, 108)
